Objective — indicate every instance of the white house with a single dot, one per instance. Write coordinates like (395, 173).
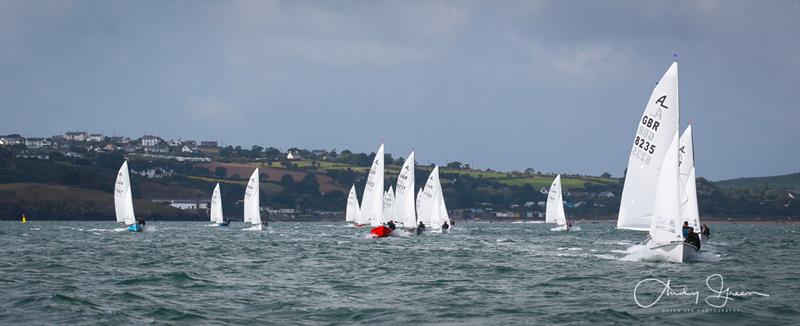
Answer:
(186, 149)
(293, 156)
(11, 140)
(150, 141)
(37, 142)
(174, 142)
(96, 137)
(76, 136)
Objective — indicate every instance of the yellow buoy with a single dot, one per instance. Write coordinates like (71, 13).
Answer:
(24, 219)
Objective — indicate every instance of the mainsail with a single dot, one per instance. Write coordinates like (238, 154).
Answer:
(372, 201)
(123, 198)
(388, 206)
(554, 213)
(655, 132)
(353, 209)
(252, 207)
(427, 200)
(216, 206)
(404, 194)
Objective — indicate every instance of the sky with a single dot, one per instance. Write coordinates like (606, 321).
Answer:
(554, 86)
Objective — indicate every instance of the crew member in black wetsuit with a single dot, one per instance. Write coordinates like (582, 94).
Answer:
(391, 225)
(445, 226)
(420, 228)
(693, 238)
(705, 231)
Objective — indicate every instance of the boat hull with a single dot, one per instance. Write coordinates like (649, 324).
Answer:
(676, 252)
(380, 231)
(135, 228)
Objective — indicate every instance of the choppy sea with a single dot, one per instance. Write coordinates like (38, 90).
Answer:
(187, 273)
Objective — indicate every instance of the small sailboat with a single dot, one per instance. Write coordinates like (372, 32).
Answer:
(217, 218)
(431, 207)
(353, 210)
(554, 213)
(404, 202)
(651, 196)
(252, 206)
(123, 200)
(372, 200)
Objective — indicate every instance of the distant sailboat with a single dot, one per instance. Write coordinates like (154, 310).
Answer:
(404, 202)
(651, 194)
(372, 200)
(123, 200)
(554, 213)
(432, 208)
(353, 210)
(217, 218)
(252, 206)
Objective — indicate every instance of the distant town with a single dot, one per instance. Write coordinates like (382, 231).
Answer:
(71, 176)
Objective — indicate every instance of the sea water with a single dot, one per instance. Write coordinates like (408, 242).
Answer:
(331, 273)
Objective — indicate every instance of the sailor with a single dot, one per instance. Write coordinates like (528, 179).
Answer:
(686, 229)
(265, 222)
(391, 225)
(445, 226)
(420, 228)
(569, 223)
(705, 231)
(452, 222)
(693, 238)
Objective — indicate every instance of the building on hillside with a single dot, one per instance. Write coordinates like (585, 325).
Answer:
(12, 140)
(109, 148)
(37, 142)
(96, 137)
(544, 191)
(187, 150)
(185, 204)
(293, 156)
(174, 143)
(150, 141)
(76, 136)
(157, 149)
(209, 143)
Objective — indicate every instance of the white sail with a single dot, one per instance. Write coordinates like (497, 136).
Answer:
(655, 130)
(404, 194)
(123, 198)
(426, 205)
(665, 225)
(388, 205)
(252, 212)
(353, 208)
(443, 216)
(689, 208)
(216, 206)
(554, 213)
(372, 201)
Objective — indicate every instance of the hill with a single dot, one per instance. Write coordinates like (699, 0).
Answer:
(785, 182)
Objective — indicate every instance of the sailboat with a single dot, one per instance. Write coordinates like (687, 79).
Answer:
(353, 210)
(123, 200)
(388, 205)
(651, 196)
(404, 202)
(431, 207)
(554, 213)
(217, 218)
(689, 209)
(372, 200)
(252, 206)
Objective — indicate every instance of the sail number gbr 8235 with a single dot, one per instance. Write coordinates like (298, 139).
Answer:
(643, 148)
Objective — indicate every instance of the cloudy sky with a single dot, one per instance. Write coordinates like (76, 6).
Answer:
(558, 87)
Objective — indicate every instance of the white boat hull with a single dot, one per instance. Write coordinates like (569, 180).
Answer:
(676, 252)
